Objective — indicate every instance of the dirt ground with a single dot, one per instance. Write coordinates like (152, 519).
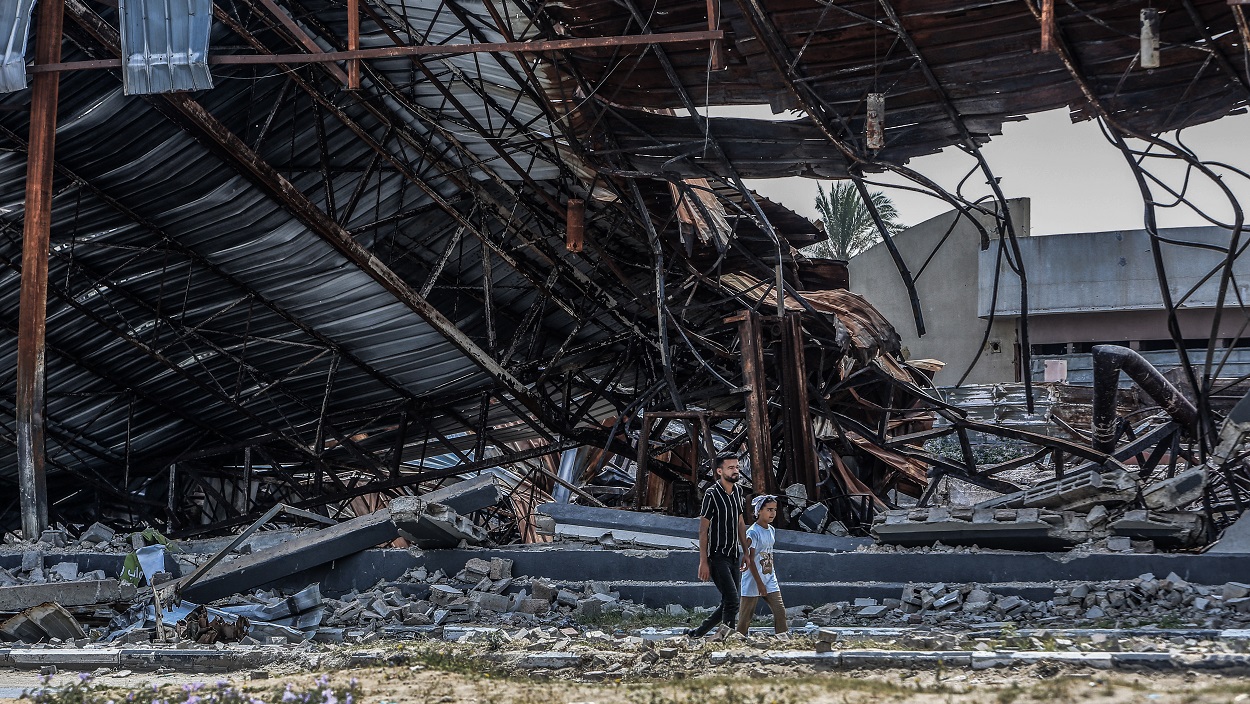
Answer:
(436, 678)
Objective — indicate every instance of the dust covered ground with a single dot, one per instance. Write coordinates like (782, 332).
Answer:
(442, 673)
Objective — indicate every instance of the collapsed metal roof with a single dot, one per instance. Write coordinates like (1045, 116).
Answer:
(346, 284)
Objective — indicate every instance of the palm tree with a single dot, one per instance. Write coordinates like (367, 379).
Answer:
(848, 222)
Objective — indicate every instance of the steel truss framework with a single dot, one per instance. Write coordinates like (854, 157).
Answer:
(286, 290)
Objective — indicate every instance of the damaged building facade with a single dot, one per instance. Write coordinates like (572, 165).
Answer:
(446, 275)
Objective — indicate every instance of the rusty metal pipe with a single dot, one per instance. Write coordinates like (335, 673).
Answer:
(1109, 360)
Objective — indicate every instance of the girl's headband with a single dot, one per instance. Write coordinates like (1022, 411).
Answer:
(758, 502)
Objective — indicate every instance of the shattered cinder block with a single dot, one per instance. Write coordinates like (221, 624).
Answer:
(97, 533)
(491, 602)
(477, 569)
(500, 568)
(65, 571)
(544, 590)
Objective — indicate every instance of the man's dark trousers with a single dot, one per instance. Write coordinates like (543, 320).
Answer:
(725, 575)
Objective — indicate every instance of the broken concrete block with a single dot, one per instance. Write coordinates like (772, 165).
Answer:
(1119, 543)
(947, 601)
(566, 598)
(589, 608)
(500, 568)
(442, 595)
(32, 560)
(97, 533)
(1235, 590)
(1177, 492)
(534, 606)
(873, 611)
(20, 597)
(676, 610)
(477, 569)
(491, 602)
(433, 525)
(42, 622)
(54, 537)
(65, 571)
(544, 590)
(467, 496)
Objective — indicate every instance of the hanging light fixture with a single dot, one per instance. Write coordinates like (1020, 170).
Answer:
(1149, 38)
(874, 127)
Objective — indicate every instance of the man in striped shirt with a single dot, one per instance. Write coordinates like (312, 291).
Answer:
(721, 533)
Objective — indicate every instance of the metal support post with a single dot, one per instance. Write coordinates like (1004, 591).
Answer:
(34, 292)
(759, 435)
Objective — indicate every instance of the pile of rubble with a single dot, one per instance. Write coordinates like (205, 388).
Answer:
(1144, 599)
(1095, 504)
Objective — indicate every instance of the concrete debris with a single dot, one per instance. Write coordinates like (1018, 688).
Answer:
(303, 552)
(20, 597)
(1023, 528)
(96, 533)
(433, 525)
(41, 623)
(656, 530)
(1235, 539)
(1077, 491)
(1178, 492)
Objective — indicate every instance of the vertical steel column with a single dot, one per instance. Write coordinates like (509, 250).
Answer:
(642, 477)
(34, 293)
(800, 450)
(759, 432)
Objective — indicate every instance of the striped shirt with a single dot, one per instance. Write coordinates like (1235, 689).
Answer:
(724, 510)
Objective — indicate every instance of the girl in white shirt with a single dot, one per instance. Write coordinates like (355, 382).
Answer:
(760, 578)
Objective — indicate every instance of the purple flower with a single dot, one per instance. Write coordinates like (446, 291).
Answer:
(84, 677)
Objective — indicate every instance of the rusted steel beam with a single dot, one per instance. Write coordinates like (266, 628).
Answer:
(353, 43)
(799, 438)
(1048, 25)
(759, 431)
(642, 477)
(33, 311)
(299, 35)
(387, 52)
(575, 225)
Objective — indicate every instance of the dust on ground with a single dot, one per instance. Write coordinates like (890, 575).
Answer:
(456, 675)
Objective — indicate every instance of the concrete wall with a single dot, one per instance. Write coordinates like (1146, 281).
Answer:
(949, 294)
(1098, 271)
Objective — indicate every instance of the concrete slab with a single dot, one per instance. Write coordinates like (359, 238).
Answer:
(306, 551)
(94, 591)
(469, 495)
(1235, 539)
(615, 519)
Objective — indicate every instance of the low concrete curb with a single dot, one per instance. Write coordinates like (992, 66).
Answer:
(978, 660)
(183, 660)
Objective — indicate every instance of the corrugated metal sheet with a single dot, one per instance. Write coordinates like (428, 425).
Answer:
(14, 30)
(165, 45)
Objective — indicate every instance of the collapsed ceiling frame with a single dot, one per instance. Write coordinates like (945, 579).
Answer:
(494, 147)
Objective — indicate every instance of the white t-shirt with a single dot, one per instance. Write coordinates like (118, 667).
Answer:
(762, 541)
